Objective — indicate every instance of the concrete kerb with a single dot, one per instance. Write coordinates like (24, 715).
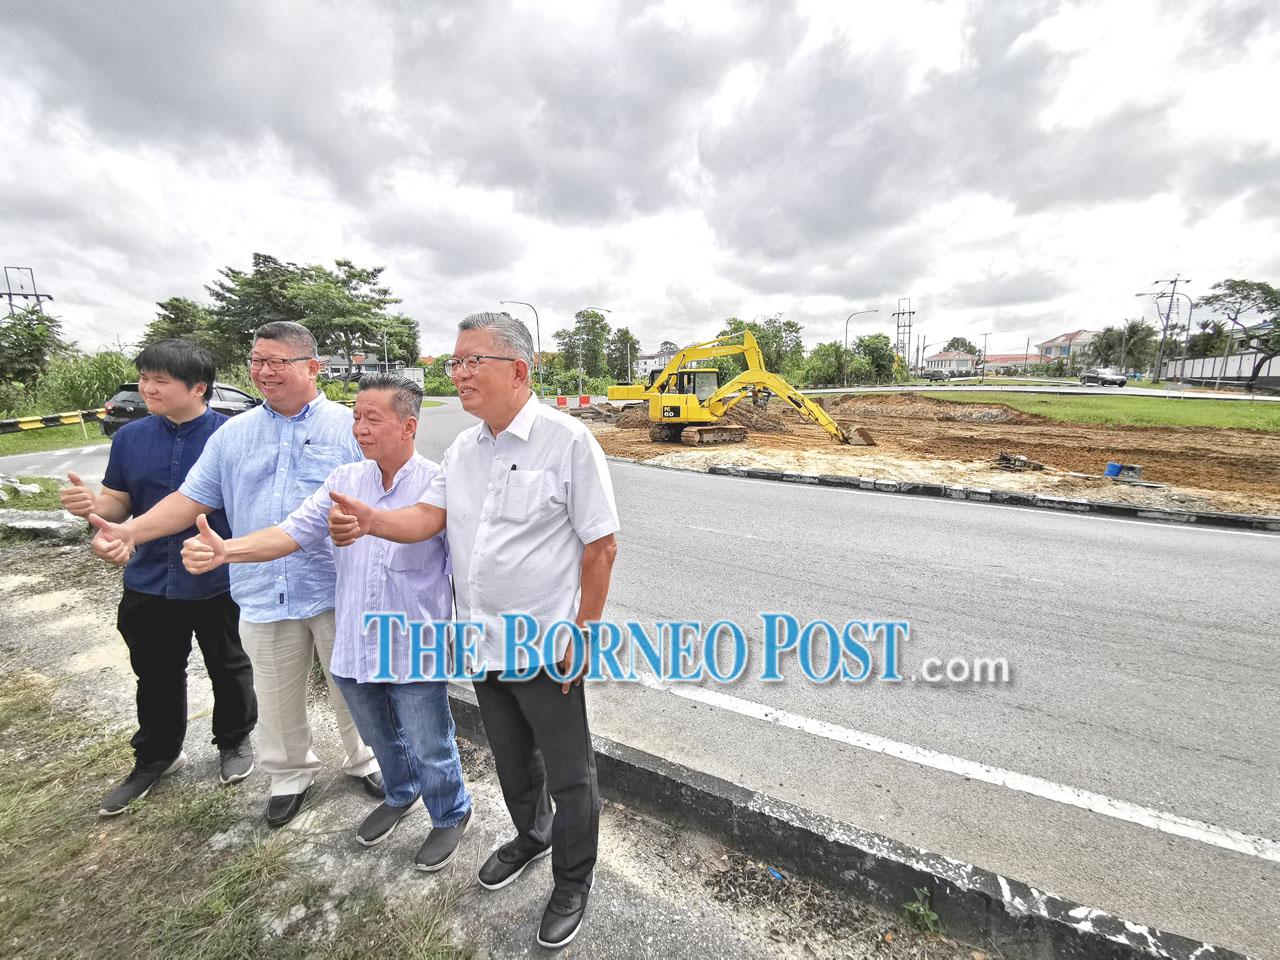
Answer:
(1237, 521)
(974, 904)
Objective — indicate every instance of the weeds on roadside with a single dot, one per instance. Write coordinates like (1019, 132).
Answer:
(921, 915)
(148, 883)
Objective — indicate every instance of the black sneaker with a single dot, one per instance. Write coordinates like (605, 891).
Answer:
(141, 778)
(441, 844)
(562, 918)
(378, 825)
(506, 863)
(235, 763)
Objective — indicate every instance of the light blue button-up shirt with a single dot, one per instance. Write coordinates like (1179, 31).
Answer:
(259, 468)
(375, 575)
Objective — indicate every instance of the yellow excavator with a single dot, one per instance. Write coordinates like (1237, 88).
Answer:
(687, 403)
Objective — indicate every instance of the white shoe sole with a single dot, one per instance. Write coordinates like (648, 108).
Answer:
(378, 840)
(176, 765)
(244, 776)
(515, 876)
(566, 941)
(447, 860)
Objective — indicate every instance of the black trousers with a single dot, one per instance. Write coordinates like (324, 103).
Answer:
(158, 633)
(542, 750)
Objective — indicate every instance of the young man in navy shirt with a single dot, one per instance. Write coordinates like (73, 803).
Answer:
(163, 604)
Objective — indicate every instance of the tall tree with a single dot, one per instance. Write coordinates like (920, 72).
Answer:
(584, 343)
(961, 345)
(183, 319)
(878, 350)
(621, 351)
(1241, 301)
(29, 338)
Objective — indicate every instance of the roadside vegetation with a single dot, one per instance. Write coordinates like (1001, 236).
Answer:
(1141, 411)
(151, 883)
(46, 499)
(51, 438)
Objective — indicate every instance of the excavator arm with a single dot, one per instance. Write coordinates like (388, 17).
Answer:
(733, 391)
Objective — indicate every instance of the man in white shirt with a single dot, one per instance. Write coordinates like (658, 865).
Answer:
(402, 713)
(531, 523)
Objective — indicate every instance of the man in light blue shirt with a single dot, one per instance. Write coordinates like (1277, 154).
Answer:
(405, 720)
(270, 460)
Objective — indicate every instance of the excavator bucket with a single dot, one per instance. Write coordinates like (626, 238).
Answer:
(857, 436)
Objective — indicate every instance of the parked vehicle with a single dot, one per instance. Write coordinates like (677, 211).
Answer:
(937, 375)
(126, 404)
(1103, 377)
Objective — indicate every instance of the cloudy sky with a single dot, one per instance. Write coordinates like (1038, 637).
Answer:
(1015, 168)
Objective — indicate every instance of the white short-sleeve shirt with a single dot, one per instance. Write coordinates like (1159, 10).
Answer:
(521, 507)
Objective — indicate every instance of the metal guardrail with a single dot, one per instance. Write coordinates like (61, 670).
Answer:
(20, 424)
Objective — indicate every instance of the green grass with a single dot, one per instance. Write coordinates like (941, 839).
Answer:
(148, 883)
(46, 499)
(432, 403)
(50, 438)
(1142, 411)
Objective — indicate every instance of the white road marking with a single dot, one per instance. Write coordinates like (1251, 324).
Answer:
(1159, 820)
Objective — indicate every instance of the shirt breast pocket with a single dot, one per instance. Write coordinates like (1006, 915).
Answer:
(316, 463)
(408, 557)
(527, 493)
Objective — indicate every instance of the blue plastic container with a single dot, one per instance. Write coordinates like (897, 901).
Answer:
(1113, 470)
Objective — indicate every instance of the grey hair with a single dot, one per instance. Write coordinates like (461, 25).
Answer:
(406, 396)
(507, 331)
(286, 331)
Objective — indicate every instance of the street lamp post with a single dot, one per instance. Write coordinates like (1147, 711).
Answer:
(538, 327)
(846, 337)
(584, 310)
(386, 363)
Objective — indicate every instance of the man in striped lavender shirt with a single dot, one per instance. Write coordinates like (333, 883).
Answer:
(406, 722)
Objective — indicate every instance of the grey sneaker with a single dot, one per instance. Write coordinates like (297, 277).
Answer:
(141, 779)
(378, 825)
(235, 763)
(441, 844)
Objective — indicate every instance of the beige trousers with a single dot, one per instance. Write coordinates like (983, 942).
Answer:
(282, 654)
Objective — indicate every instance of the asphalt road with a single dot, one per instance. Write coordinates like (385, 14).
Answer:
(1143, 681)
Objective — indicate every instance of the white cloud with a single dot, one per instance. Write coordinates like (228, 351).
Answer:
(1016, 168)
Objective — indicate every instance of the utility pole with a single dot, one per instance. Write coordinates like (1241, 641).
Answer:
(983, 374)
(903, 317)
(21, 282)
(1026, 356)
(1167, 315)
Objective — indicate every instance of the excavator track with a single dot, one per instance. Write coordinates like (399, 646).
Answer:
(708, 436)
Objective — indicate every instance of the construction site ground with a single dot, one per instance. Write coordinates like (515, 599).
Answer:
(930, 440)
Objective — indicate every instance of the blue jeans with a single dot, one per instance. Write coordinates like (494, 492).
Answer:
(410, 729)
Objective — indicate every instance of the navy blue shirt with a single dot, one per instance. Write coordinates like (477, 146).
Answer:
(149, 460)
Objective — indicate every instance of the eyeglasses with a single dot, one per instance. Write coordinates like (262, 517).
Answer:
(274, 364)
(470, 364)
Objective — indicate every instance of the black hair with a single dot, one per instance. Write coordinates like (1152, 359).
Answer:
(180, 359)
(406, 396)
(286, 331)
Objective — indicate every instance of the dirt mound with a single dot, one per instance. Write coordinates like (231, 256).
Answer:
(635, 417)
(756, 419)
(916, 407)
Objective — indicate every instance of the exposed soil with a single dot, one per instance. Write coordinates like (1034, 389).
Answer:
(931, 440)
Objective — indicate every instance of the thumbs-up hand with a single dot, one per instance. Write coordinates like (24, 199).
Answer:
(78, 499)
(113, 542)
(349, 519)
(206, 550)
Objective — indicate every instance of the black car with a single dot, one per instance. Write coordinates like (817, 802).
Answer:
(1103, 377)
(937, 375)
(127, 404)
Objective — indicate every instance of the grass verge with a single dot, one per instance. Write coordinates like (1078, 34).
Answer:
(149, 883)
(1141, 411)
(51, 438)
(46, 499)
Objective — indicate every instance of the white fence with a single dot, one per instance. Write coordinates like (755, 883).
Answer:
(1235, 367)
